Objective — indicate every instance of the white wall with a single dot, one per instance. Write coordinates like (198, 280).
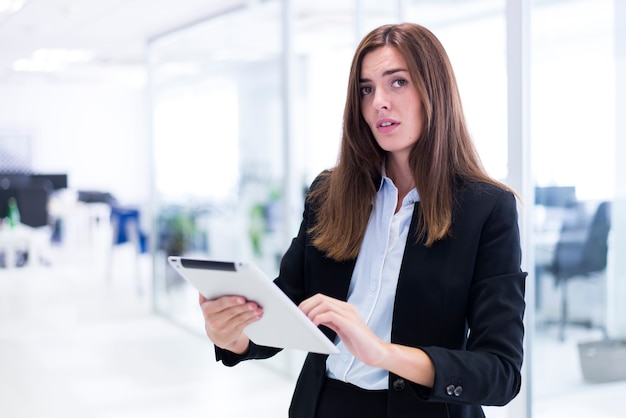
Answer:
(94, 130)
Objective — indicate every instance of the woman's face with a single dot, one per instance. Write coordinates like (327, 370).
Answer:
(390, 103)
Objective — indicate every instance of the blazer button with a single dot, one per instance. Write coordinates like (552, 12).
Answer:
(450, 390)
(398, 384)
(458, 390)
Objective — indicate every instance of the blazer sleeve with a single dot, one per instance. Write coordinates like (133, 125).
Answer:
(488, 370)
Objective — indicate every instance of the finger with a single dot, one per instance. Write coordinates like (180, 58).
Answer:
(328, 314)
(220, 304)
(318, 304)
(218, 317)
(223, 316)
(318, 299)
(336, 320)
(228, 324)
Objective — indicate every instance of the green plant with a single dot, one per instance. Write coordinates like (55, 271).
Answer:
(177, 230)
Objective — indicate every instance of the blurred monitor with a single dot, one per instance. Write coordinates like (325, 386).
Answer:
(31, 191)
(13, 180)
(56, 181)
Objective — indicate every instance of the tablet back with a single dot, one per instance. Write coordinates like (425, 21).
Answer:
(283, 324)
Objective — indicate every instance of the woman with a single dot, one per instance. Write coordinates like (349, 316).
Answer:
(408, 254)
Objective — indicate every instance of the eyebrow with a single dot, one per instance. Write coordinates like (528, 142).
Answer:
(385, 74)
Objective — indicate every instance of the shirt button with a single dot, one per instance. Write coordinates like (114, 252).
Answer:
(398, 384)
(345, 358)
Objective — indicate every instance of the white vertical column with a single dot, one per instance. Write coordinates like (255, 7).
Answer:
(291, 361)
(290, 176)
(519, 170)
(401, 11)
(358, 21)
(151, 66)
(616, 272)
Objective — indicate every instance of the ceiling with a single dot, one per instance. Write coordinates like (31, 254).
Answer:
(115, 30)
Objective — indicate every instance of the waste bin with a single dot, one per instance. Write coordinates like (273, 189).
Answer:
(603, 361)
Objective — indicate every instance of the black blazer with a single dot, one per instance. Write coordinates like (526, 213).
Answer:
(460, 300)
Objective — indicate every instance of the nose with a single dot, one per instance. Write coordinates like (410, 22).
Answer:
(381, 100)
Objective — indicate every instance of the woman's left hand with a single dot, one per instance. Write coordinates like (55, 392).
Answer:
(345, 320)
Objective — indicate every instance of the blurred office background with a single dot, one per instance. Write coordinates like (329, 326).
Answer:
(130, 131)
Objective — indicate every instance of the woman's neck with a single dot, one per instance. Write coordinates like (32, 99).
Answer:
(402, 177)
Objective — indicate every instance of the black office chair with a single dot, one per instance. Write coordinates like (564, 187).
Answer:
(581, 251)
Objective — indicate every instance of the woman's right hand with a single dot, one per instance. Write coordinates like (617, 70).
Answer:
(226, 317)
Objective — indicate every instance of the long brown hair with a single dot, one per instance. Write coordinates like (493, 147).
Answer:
(443, 154)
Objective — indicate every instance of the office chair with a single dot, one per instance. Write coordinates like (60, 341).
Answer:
(126, 228)
(581, 252)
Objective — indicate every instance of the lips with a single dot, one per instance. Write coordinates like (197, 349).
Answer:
(386, 125)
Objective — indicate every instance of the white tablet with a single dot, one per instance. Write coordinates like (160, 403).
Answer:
(283, 324)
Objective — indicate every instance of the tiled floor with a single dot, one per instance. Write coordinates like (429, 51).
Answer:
(73, 344)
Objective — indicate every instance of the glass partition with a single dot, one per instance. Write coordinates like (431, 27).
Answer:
(574, 142)
(325, 36)
(217, 148)
(474, 35)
